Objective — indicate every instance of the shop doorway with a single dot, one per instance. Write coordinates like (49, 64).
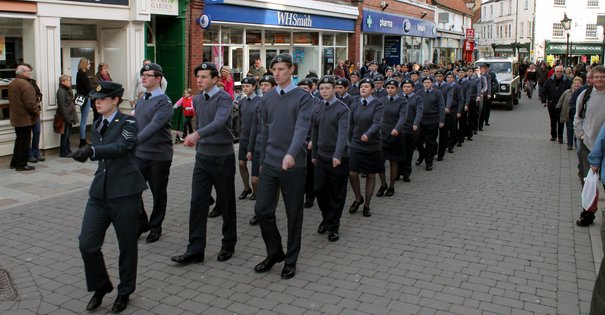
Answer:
(72, 52)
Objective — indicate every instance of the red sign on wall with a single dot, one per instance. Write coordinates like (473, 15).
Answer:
(470, 34)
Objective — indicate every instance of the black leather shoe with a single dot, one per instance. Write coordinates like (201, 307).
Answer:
(224, 255)
(215, 212)
(474, 132)
(321, 229)
(97, 298)
(333, 236)
(188, 258)
(450, 150)
(41, 159)
(440, 158)
(366, 211)
(211, 202)
(142, 229)
(429, 167)
(288, 272)
(245, 194)
(25, 168)
(268, 263)
(253, 196)
(355, 205)
(120, 303)
(32, 160)
(469, 138)
(390, 192)
(381, 191)
(487, 124)
(253, 221)
(406, 179)
(309, 203)
(153, 237)
(419, 161)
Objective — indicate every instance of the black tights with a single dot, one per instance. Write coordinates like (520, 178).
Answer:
(356, 186)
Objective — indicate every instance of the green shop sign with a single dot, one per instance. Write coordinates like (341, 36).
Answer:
(576, 48)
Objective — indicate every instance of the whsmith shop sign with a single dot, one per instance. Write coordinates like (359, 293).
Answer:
(249, 15)
(377, 22)
(576, 49)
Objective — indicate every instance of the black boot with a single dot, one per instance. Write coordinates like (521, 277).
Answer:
(82, 143)
(586, 218)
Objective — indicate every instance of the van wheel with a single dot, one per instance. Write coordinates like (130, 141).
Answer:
(509, 103)
(515, 98)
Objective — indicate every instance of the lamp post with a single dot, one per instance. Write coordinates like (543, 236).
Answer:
(566, 22)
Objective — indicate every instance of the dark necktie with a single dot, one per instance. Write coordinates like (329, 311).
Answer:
(104, 127)
(427, 91)
(249, 99)
(407, 97)
(147, 95)
(364, 103)
(206, 96)
(282, 92)
(391, 98)
(327, 104)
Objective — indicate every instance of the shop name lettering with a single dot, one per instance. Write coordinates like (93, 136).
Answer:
(386, 23)
(162, 4)
(575, 47)
(292, 19)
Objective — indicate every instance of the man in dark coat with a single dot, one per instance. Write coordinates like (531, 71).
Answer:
(550, 93)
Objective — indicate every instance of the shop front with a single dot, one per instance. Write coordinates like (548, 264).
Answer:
(397, 38)
(504, 50)
(523, 51)
(447, 50)
(579, 52)
(317, 39)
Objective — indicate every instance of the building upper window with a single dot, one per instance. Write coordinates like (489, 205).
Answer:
(559, 2)
(557, 29)
(529, 29)
(501, 8)
(521, 30)
(591, 31)
(592, 3)
(526, 4)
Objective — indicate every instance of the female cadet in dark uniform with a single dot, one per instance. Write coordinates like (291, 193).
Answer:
(393, 119)
(115, 197)
(247, 109)
(366, 144)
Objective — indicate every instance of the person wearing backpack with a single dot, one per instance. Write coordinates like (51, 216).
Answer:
(590, 117)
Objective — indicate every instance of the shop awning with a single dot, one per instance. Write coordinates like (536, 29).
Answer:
(560, 48)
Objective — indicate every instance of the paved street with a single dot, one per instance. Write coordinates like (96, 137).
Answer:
(489, 231)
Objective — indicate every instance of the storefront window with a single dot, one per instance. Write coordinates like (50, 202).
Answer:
(308, 38)
(211, 35)
(341, 39)
(232, 35)
(277, 38)
(253, 37)
(327, 39)
(78, 32)
(308, 61)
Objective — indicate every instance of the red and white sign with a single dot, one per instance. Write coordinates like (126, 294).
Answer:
(470, 34)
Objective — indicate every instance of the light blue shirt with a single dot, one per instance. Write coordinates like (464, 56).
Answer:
(287, 89)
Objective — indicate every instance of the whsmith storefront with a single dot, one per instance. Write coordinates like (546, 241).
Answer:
(580, 52)
(400, 39)
(315, 33)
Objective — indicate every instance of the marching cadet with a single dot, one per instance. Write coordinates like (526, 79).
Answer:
(465, 85)
(365, 153)
(115, 197)
(433, 118)
(453, 111)
(267, 83)
(445, 131)
(393, 119)
(474, 107)
(341, 87)
(410, 127)
(285, 120)
(415, 77)
(379, 91)
(354, 86)
(214, 166)
(247, 108)
(330, 129)
(314, 92)
(373, 70)
(306, 85)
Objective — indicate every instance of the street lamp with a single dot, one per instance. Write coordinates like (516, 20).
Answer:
(566, 22)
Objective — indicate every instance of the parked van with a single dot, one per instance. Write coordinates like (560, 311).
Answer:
(509, 83)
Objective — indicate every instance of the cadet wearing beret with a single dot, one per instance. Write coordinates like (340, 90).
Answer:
(115, 197)
(450, 118)
(354, 86)
(379, 91)
(410, 127)
(247, 108)
(415, 77)
(342, 86)
(433, 117)
(286, 118)
(330, 132)
(373, 70)
(214, 166)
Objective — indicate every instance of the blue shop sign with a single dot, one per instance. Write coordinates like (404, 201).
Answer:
(377, 22)
(251, 15)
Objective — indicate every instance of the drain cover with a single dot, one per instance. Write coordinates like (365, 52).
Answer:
(7, 290)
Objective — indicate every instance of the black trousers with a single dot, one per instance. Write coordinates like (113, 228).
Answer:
(472, 123)
(485, 112)
(21, 147)
(409, 143)
(331, 190)
(447, 134)
(292, 185)
(556, 127)
(426, 144)
(217, 171)
(123, 213)
(156, 173)
(65, 145)
(462, 126)
(310, 179)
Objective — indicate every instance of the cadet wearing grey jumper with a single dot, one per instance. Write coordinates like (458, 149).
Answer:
(433, 117)
(412, 119)
(154, 148)
(285, 120)
(214, 166)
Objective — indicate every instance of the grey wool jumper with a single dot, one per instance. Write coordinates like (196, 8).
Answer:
(247, 109)
(366, 120)
(213, 117)
(154, 140)
(330, 130)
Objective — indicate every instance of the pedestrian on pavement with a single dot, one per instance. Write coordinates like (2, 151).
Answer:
(185, 102)
(365, 153)
(564, 111)
(24, 112)
(531, 78)
(115, 197)
(214, 166)
(139, 89)
(590, 117)
(286, 118)
(83, 88)
(247, 107)
(227, 80)
(391, 129)
(330, 133)
(433, 118)
(103, 73)
(34, 148)
(67, 110)
(550, 93)
(154, 147)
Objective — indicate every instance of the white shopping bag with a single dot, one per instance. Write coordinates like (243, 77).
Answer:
(590, 191)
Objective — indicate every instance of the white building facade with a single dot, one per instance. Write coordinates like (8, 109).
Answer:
(585, 37)
(506, 29)
(451, 27)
